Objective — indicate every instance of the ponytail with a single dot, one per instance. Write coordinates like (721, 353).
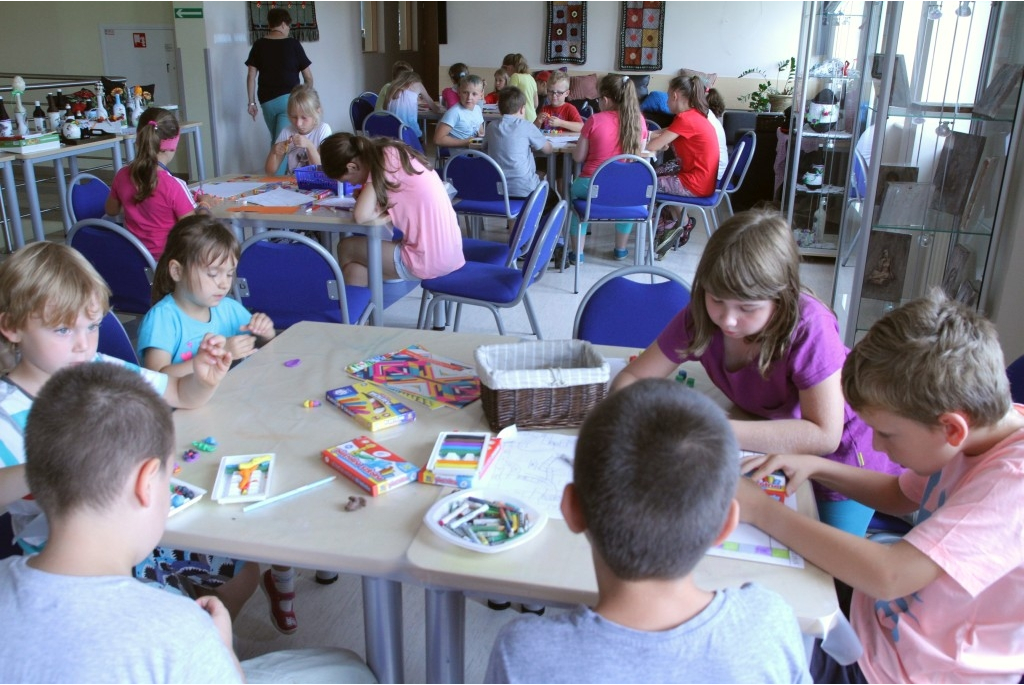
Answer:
(621, 91)
(155, 125)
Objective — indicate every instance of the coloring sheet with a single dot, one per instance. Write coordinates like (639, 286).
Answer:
(535, 467)
(753, 544)
(230, 188)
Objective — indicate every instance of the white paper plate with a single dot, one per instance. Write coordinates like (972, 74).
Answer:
(432, 520)
(199, 492)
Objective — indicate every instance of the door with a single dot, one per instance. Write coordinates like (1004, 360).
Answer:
(143, 55)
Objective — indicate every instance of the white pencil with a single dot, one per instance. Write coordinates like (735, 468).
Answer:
(284, 495)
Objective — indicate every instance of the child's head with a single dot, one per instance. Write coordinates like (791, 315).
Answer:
(46, 286)
(619, 94)
(90, 429)
(304, 109)
(278, 17)
(351, 158)
(515, 63)
(748, 284)
(457, 72)
(511, 101)
(500, 80)
(654, 479)
(157, 133)
(716, 103)
(558, 88)
(471, 91)
(200, 259)
(398, 67)
(402, 82)
(927, 358)
(691, 91)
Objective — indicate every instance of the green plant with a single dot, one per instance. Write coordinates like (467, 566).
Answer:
(782, 85)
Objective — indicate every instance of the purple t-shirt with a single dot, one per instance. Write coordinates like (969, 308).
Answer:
(815, 354)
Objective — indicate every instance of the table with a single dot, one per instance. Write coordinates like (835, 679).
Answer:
(258, 408)
(17, 238)
(189, 128)
(71, 152)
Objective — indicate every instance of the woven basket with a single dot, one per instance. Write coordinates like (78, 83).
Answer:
(543, 384)
(312, 177)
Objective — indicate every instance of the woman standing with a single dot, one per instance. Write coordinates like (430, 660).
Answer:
(279, 60)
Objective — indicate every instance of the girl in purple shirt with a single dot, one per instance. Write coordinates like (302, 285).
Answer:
(773, 350)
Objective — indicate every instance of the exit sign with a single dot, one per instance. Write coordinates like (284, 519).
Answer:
(188, 12)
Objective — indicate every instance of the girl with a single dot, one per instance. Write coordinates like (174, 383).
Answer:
(398, 187)
(617, 129)
(301, 138)
(518, 75)
(397, 69)
(151, 197)
(500, 81)
(694, 171)
(406, 95)
(559, 114)
(772, 349)
(450, 95)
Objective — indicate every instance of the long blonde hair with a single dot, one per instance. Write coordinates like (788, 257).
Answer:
(621, 91)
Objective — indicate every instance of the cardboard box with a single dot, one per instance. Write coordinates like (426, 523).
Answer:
(369, 465)
(460, 459)
(370, 406)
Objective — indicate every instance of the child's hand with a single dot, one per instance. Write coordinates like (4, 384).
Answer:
(241, 346)
(281, 149)
(261, 326)
(210, 200)
(212, 361)
(219, 615)
(797, 467)
(753, 501)
(300, 141)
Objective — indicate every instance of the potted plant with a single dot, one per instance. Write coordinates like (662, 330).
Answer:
(772, 95)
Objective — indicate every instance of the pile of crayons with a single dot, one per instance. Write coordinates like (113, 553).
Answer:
(484, 522)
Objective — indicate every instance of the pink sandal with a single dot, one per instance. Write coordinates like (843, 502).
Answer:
(284, 621)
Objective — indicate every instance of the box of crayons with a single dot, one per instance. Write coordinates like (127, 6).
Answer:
(460, 459)
(370, 406)
(371, 466)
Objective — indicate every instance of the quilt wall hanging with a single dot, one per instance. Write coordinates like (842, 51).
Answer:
(567, 33)
(303, 15)
(642, 35)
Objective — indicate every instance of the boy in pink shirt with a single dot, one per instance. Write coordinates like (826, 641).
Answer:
(945, 603)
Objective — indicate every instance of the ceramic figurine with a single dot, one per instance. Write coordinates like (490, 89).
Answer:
(101, 107)
(71, 130)
(17, 88)
(118, 111)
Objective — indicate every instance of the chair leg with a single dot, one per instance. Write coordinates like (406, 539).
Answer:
(531, 316)
(458, 317)
(497, 319)
(421, 321)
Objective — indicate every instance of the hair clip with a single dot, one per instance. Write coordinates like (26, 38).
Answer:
(152, 122)
(625, 78)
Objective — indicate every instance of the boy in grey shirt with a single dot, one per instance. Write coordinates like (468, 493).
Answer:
(511, 141)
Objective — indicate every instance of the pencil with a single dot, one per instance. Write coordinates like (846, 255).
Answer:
(284, 495)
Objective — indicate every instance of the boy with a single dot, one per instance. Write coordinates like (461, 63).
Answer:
(944, 604)
(654, 483)
(465, 120)
(559, 114)
(511, 140)
(99, 442)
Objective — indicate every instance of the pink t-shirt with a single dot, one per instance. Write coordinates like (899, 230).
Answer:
(602, 133)
(420, 207)
(967, 626)
(153, 218)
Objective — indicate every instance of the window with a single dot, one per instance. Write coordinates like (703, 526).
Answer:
(368, 25)
(407, 38)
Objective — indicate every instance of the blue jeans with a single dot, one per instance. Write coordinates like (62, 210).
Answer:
(275, 113)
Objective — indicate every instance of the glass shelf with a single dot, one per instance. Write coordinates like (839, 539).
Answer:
(950, 114)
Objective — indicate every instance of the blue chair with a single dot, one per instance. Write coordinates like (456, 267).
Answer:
(620, 311)
(482, 188)
(409, 137)
(87, 197)
(519, 238)
(292, 278)
(369, 96)
(497, 287)
(114, 340)
(1015, 372)
(123, 262)
(383, 124)
(361, 107)
(745, 157)
(622, 190)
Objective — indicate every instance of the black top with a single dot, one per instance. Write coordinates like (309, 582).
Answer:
(279, 62)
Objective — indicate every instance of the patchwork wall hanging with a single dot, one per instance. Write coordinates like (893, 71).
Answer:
(643, 31)
(303, 20)
(567, 33)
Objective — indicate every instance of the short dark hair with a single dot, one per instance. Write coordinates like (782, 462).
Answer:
(90, 426)
(655, 471)
(511, 100)
(278, 16)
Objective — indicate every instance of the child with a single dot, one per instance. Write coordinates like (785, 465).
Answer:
(772, 349)
(944, 604)
(51, 305)
(616, 130)
(500, 82)
(98, 444)
(152, 198)
(694, 171)
(398, 187)
(450, 95)
(299, 142)
(654, 481)
(511, 142)
(464, 120)
(396, 69)
(406, 96)
(716, 110)
(519, 76)
(559, 115)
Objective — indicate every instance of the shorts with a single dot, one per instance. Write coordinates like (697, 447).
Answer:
(673, 186)
(403, 272)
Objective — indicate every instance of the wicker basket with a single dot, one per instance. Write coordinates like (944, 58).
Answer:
(312, 177)
(543, 384)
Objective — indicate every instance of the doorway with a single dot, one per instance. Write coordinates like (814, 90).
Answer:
(143, 55)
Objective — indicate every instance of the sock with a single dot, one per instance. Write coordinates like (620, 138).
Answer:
(284, 583)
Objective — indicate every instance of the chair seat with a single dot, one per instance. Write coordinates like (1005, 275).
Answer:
(611, 213)
(485, 251)
(488, 208)
(502, 284)
(709, 201)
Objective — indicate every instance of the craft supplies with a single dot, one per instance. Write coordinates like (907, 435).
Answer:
(484, 521)
(370, 406)
(310, 404)
(420, 375)
(183, 495)
(460, 459)
(289, 493)
(370, 465)
(243, 478)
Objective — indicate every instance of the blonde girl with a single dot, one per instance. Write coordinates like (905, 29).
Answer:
(500, 81)
(773, 349)
(518, 72)
(152, 198)
(450, 95)
(406, 95)
(297, 144)
(382, 98)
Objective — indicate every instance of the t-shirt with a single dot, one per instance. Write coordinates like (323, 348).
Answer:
(279, 62)
(450, 97)
(696, 148)
(745, 635)
(299, 156)
(103, 629)
(420, 207)
(406, 107)
(510, 141)
(152, 219)
(465, 123)
(815, 353)
(967, 626)
(602, 133)
(528, 85)
(565, 112)
(166, 327)
(723, 148)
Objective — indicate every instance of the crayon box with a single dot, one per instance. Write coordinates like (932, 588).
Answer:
(370, 406)
(774, 485)
(460, 459)
(371, 466)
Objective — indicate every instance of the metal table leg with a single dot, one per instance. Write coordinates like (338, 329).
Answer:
(446, 636)
(382, 623)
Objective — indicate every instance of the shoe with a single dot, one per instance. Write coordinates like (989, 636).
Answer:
(680, 234)
(537, 609)
(572, 258)
(498, 606)
(326, 577)
(619, 254)
(556, 256)
(284, 621)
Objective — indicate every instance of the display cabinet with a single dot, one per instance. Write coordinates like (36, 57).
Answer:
(944, 111)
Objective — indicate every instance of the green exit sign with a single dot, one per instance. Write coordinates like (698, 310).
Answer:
(188, 12)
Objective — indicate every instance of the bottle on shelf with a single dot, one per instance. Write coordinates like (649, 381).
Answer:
(6, 125)
(818, 223)
(60, 99)
(118, 111)
(53, 118)
(39, 118)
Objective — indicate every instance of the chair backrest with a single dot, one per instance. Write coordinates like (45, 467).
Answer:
(535, 264)
(292, 278)
(623, 188)
(1015, 372)
(744, 154)
(620, 311)
(114, 340)
(383, 124)
(358, 110)
(87, 197)
(525, 228)
(475, 175)
(370, 97)
(123, 262)
(409, 137)
(652, 125)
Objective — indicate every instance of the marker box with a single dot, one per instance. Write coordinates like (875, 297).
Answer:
(370, 465)
(460, 459)
(243, 478)
(371, 407)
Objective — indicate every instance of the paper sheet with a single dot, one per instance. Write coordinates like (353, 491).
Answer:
(535, 467)
(334, 201)
(230, 188)
(279, 197)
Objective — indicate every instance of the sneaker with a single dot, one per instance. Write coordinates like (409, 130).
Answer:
(537, 609)
(680, 234)
(619, 254)
(572, 258)
(326, 577)
(556, 256)
(283, 620)
(498, 606)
